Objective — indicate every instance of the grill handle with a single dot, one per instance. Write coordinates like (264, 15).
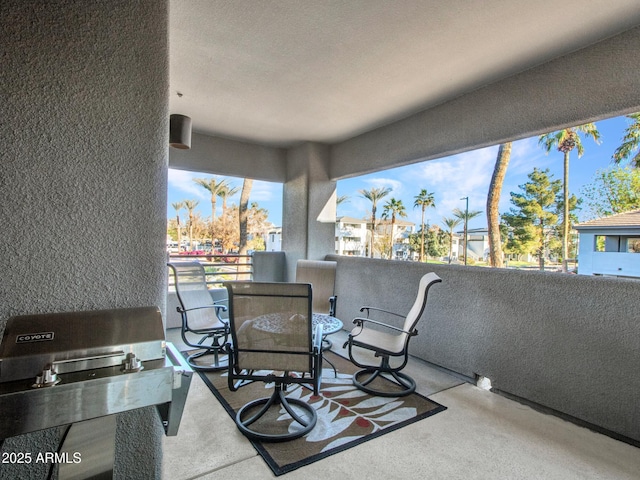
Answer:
(92, 361)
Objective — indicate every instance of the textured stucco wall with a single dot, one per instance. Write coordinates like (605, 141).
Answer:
(307, 192)
(83, 179)
(230, 157)
(596, 82)
(568, 342)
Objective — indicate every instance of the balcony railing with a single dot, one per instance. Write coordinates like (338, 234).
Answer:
(218, 267)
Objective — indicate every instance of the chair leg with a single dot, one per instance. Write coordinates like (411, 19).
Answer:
(404, 382)
(274, 401)
(220, 362)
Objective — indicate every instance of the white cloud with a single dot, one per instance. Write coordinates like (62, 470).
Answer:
(263, 191)
(182, 181)
(464, 175)
(395, 185)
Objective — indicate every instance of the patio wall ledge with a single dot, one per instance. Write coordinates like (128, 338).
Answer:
(570, 343)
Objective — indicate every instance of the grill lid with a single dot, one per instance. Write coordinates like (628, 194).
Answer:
(76, 341)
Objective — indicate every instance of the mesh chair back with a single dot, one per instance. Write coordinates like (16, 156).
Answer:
(192, 291)
(321, 275)
(421, 300)
(271, 325)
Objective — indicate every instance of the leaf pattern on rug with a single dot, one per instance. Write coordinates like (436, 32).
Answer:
(338, 408)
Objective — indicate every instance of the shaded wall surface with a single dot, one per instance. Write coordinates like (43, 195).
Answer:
(567, 342)
(83, 180)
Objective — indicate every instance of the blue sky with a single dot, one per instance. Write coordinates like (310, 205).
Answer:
(449, 178)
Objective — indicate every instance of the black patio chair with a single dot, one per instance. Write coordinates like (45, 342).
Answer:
(273, 342)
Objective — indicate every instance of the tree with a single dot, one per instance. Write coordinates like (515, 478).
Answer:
(213, 187)
(374, 196)
(342, 199)
(423, 200)
(565, 141)
(190, 205)
(533, 214)
(614, 190)
(496, 256)
(465, 216)
(451, 223)
(392, 209)
(556, 244)
(227, 229)
(243, 216)
(226, 192)
(630, 143)
(437, 241)
(257, 225)
(178, 206)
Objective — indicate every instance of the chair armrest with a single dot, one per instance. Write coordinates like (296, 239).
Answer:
(317, 339)
(332, 305)
(367, 308)
(360, 321)
(217, 307)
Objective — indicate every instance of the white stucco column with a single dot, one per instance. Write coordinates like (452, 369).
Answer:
(309, 205)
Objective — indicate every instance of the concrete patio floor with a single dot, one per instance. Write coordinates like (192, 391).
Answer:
(480, 436)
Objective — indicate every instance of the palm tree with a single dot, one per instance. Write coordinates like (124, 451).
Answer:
(565, 141)
(342, 199)
(465, 216)
(393, 208)
(496, 257)
(451, 223)
(374, 196)
(243, 215)
(214, 187)
(630, 143)
(178, 206)
(190, 205)
(424, 200)
(226, 192)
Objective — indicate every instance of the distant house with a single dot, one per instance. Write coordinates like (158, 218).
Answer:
(273, 239)
(401, 231)
(477, 243)
(610, 246)
(351, 236)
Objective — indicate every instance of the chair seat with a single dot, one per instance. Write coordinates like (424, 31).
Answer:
(379, 341)
(215, 325)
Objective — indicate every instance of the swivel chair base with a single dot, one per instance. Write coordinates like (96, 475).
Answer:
(220, 362)
(404, 382)
(277, 399)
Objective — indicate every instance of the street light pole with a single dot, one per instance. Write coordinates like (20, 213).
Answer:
(466, 219)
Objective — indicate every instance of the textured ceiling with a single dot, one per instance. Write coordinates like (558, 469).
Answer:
(280, 72)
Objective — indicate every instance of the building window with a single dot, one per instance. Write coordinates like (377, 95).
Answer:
(633, 245)
(607, 243)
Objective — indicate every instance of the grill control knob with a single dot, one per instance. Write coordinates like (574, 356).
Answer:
(132, 364)
(48, 378)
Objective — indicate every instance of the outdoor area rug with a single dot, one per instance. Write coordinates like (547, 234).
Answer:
(346, 416)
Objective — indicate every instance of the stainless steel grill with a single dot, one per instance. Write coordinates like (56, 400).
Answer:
(63, 368)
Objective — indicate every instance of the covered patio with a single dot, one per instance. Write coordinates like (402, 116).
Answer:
(564, 344)
(305, 94)
(481, 435)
